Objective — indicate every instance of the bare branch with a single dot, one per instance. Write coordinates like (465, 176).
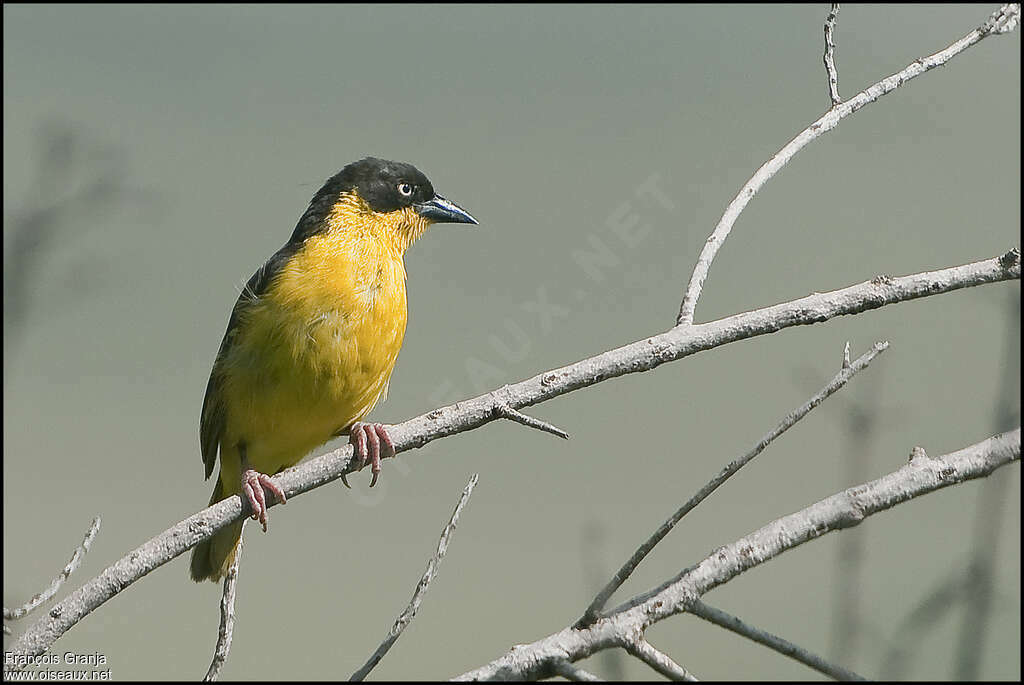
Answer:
(55, 584)
(594, 539)
(1003, 20)
(572, 672)
(405, 618)
(642, 355)
(659, 661)
(830, 61)
(507, 412)
(845, 509)
(847, 372)
(227, 617)
(785, 647)
(861, 418)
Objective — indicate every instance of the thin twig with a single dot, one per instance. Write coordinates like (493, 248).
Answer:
(830, 50)
(785, 647)
(642, 355)
(659, 661)
(405, 618)
(227, 617)
(507, 412)
(861, 419)
(842, 510)
(847, 372)
(596, 573)
(571, 671)
(1001, 21)
(55, 584)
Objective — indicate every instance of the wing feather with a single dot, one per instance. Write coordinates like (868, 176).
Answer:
(213, 418)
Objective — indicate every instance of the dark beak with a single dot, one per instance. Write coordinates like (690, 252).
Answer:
(438, 210)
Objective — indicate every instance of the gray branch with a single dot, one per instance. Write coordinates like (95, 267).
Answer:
(507, 412)
(730, 622)
(572, 672)
(847, 372)
(56, 583)
(922, 475)
(1001, 21)
(227, 617)
(658, 660)
(405, 618)
(642, 355)
(830, 56)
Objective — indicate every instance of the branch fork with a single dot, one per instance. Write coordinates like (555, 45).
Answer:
(504, 409)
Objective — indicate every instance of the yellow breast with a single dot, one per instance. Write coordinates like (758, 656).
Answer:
(314, 354)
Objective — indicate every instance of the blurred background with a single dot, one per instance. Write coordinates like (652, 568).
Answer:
(155, 156)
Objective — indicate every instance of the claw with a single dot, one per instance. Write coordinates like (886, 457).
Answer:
(370, 442)
(374, 443)
(359, 446)
(253, 483)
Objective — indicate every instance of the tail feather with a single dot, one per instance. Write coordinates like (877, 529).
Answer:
(211, 558)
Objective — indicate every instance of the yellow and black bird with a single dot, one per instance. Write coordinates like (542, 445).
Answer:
(313, 338)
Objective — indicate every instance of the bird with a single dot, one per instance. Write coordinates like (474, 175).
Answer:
(312, 341)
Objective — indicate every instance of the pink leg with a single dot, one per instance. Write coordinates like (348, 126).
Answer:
(253, 483)
(369, 441)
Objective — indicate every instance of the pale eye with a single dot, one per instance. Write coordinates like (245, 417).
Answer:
(405, 190)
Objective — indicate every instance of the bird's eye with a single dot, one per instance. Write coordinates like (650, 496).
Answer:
(405, 189)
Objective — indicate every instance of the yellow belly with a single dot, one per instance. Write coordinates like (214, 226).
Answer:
(314, 354)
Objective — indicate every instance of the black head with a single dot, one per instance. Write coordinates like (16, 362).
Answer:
(387, 186)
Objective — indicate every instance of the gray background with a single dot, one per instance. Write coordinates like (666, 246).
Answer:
(171, 149)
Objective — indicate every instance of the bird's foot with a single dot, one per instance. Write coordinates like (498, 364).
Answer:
(253, 483)
(370, 441)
